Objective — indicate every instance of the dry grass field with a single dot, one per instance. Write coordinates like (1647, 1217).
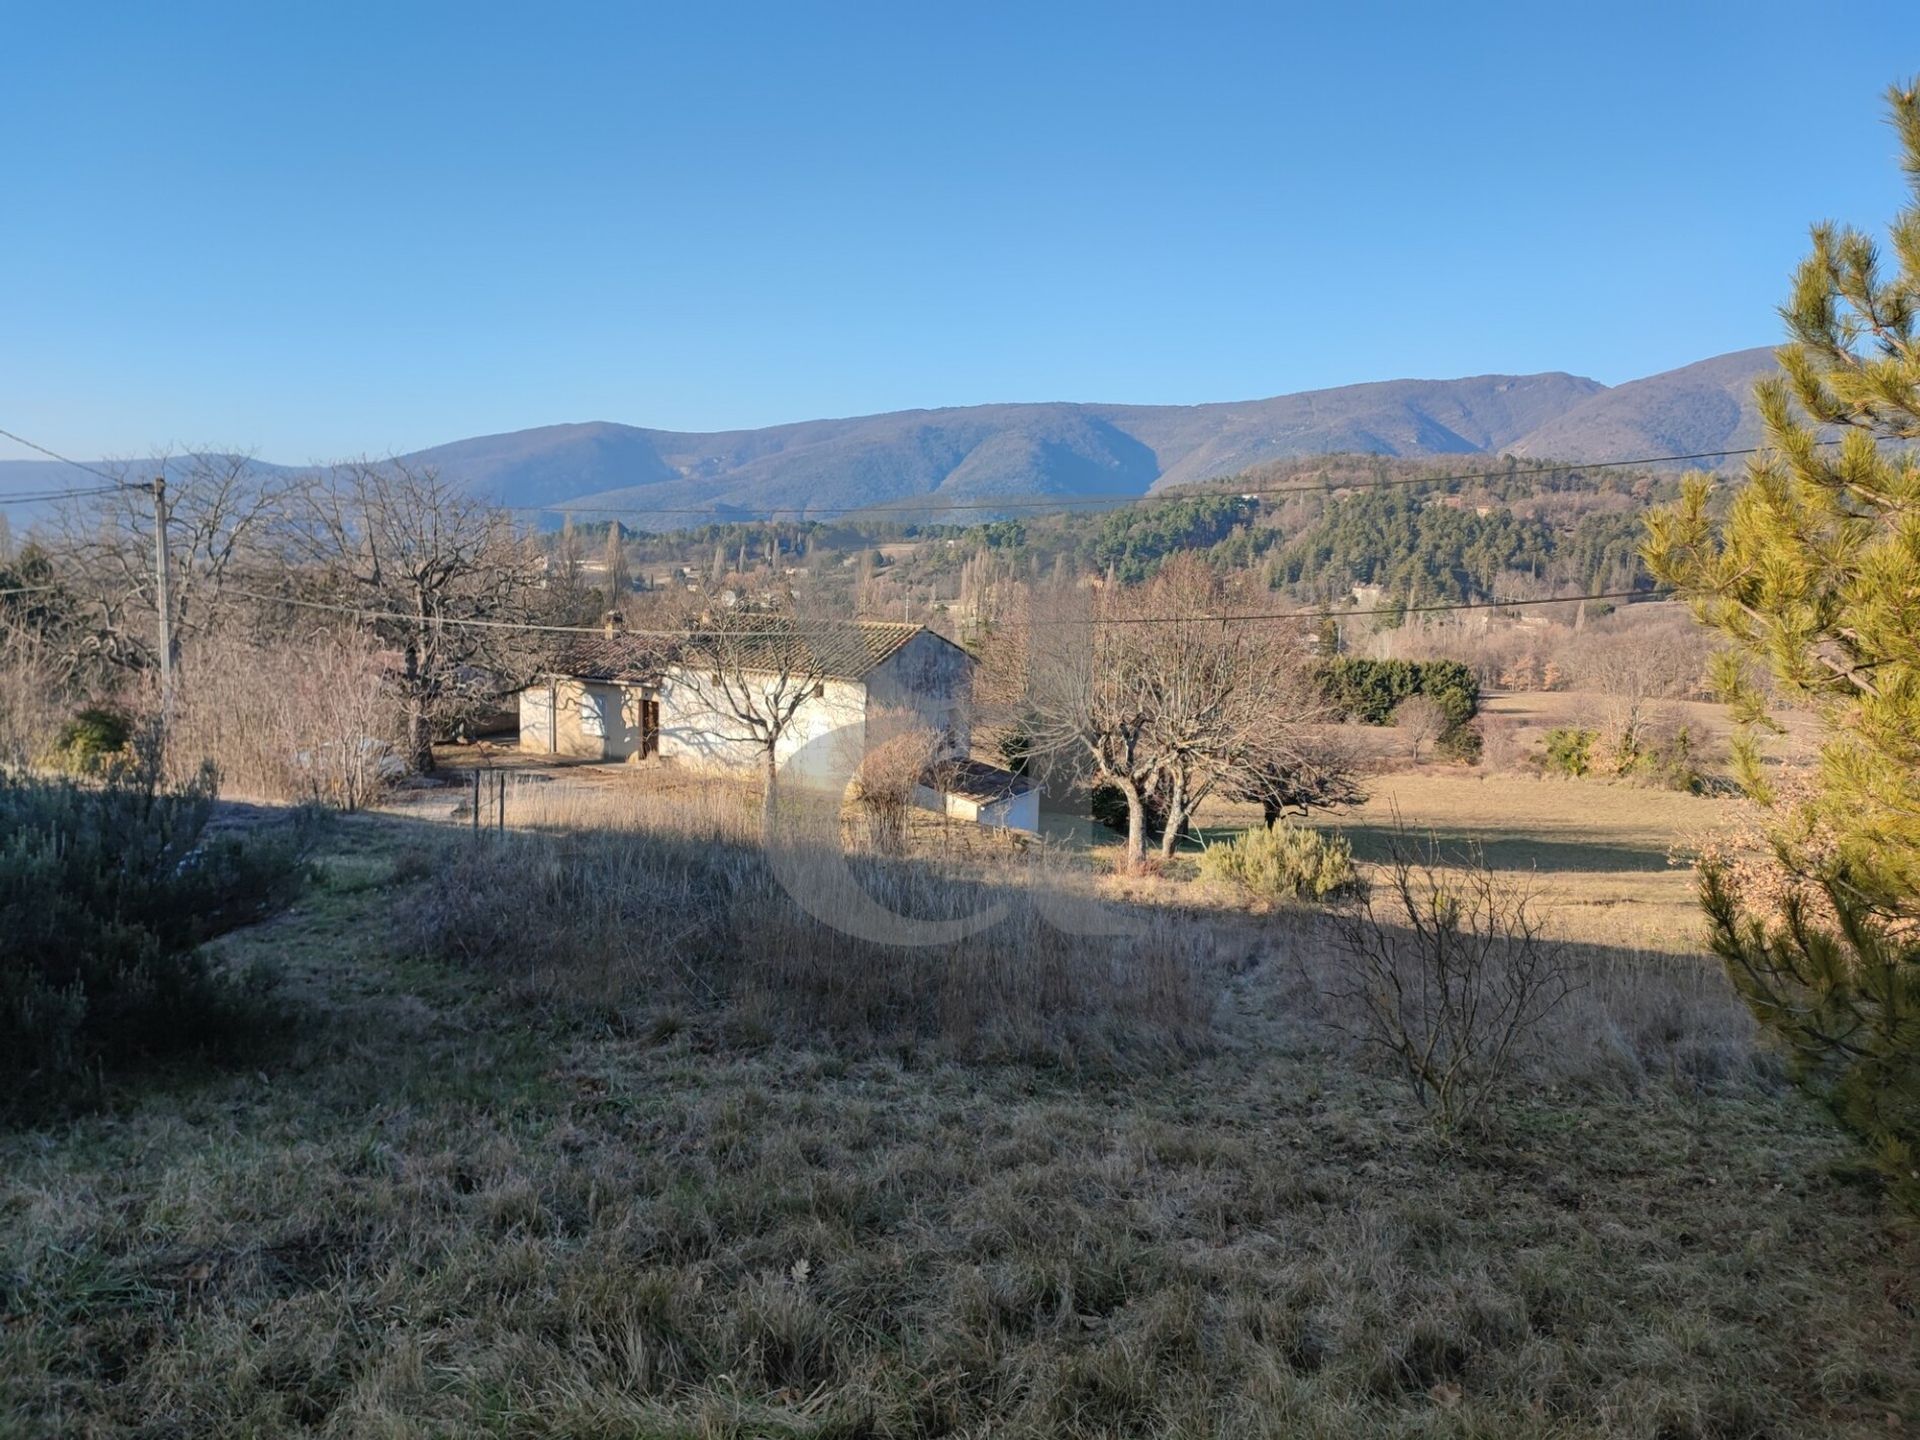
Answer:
(1606, 859)
(589, 1134)
(1600, 855)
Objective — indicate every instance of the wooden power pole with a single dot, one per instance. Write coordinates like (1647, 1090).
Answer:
(163, 592)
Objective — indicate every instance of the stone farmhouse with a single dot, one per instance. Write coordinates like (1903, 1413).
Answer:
(632, 697)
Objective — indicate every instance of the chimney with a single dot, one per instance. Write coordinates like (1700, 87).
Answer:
(615, 624)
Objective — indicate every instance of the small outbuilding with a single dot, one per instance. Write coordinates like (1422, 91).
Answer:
(984, 794)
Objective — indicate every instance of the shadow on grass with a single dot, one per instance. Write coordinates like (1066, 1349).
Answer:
(1508, 852)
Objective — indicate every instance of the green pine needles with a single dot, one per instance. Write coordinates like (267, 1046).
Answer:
(1283, 861)
(1813, 576)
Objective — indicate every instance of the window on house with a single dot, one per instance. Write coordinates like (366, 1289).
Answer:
(593, 716)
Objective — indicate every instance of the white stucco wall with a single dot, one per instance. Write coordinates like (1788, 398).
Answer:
(536, 715)
(696, 731)
(1016, 812)
(1012, 812)
(933, 679)
(554, 720)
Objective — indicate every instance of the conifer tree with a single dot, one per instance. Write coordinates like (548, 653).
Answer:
(619, 577)
(1813, 576)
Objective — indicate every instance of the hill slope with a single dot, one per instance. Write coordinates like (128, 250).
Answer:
(665, 478)
(1704, 406)
(986, 451)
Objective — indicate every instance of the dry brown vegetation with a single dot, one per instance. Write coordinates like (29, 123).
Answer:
(32, 698)
(312, 719)
(598, 1134)
(899, 753)
(685, 918)
(1655, 648)
(1452, 972)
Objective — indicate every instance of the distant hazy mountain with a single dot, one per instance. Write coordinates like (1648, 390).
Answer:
(984, 452)
(1704, 406)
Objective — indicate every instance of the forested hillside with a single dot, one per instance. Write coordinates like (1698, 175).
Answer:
(1316, 530)
(1419, 548)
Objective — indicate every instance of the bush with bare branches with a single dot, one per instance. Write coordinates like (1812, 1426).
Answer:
(309, 719)
(900, 751)
(1451, 975)
(31, 698)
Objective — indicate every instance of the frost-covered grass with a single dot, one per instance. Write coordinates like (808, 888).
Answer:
(463, 1202)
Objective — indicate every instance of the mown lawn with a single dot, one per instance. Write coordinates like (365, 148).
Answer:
(435, 1208)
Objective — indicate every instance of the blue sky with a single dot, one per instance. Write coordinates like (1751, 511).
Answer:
(317, 231)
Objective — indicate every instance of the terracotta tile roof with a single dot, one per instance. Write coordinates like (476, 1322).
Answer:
(613, 659)
(838, 649)
(842, 649)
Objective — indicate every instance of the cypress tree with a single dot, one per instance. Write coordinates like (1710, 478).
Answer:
(1813, 575)
(619, 578)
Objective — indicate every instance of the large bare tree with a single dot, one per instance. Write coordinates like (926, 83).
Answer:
(1090, 702)
(438, 575)
(222, 514)
(1233, 700)
(1157, 690)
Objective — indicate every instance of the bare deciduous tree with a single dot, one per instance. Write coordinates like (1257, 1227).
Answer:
(1634, 675)
(435, 573)
(1231, 700)
(1089, 705)
(1145, 688)
(223, 511)
(619, 576)
(752, 672)
(1421, 721)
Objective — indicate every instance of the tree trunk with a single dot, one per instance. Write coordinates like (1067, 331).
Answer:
(419, 724)
(1136, 825)
(419, 737)
(1176, 819)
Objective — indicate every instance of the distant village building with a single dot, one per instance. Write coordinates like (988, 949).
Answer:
(631, 697)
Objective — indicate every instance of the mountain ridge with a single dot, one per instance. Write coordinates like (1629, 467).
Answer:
(1071, 449)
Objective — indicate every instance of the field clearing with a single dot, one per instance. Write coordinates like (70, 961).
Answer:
(1537, 711)
(1608, 859)
(1600, 855)
(441, 1205)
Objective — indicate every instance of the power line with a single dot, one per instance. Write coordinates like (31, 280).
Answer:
(363, 613)
(117, 482)
(1229, 617)
(44, 497)
(880, 510)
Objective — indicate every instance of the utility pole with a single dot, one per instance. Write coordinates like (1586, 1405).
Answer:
(163, 593)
